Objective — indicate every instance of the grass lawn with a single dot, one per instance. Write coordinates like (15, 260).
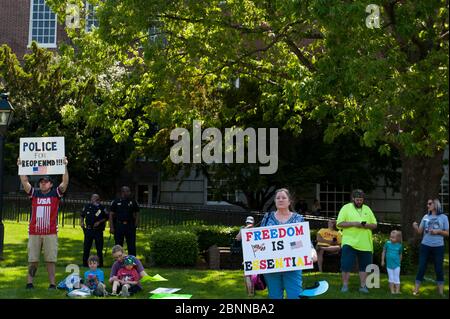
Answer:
(223, 284)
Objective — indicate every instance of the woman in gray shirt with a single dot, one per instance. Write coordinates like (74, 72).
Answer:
(434, 226)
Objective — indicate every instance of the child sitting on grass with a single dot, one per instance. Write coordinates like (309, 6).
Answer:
(392, 253)
(94, 278)
(127, 278)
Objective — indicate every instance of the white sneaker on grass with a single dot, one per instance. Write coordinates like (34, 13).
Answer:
(124, 292)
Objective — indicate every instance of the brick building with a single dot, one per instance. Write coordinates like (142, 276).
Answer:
(24, 21)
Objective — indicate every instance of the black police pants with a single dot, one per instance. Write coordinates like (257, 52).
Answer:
(127, 232)
(91, 235)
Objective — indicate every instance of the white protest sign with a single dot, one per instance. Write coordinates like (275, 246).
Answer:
(42, 156)
(278, 248)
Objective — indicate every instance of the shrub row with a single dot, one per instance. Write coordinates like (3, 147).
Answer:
(181, 245)
(208, 236)
(171, 247)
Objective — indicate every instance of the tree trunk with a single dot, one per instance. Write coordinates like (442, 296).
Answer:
(421, 180)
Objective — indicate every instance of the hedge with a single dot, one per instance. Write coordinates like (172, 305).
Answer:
(173, 247)
(181, 245)
(168, 249)
(221, 236)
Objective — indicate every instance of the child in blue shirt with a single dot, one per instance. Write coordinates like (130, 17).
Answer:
(94, 278)
(392, 253)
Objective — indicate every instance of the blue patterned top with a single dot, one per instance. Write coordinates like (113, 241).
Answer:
(270, 219)
(436, 222)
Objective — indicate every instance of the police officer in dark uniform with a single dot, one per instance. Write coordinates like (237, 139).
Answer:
(123, 220)
(93, 221)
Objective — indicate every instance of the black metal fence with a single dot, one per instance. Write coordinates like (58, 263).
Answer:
(18, 208)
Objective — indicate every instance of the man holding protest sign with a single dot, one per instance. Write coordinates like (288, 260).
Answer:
(43, 225)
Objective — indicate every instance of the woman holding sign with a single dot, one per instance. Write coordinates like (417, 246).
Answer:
(291, 281)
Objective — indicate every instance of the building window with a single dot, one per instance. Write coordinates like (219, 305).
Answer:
(215, 194)
(42, 24)
(332, 198)
(237, 83)
(157, 36)
(443, 194)
(147, 194)
(91, 19)
(147, 159)
(153, 33)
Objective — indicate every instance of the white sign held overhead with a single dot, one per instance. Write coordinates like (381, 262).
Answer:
(42, 156)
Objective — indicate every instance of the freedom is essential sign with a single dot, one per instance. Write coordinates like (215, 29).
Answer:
(276, 248)
(42, 156)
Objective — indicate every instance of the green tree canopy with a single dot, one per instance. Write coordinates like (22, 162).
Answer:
(312, 60)
(52, 97)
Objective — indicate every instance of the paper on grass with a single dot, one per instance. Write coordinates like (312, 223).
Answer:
(156, 277)
(171, 296)
(162, 290)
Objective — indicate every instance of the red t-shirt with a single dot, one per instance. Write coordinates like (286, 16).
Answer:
(130, 275)
(44, 211)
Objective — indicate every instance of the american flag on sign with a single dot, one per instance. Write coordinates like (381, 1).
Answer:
(40, 170)
(296, 244)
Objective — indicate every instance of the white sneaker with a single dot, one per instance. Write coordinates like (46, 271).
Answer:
(124, 292)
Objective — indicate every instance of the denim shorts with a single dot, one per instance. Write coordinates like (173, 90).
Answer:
(348, 256)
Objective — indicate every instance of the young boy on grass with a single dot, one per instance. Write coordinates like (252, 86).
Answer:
(119, 256)
(127, 278)
(94, 278)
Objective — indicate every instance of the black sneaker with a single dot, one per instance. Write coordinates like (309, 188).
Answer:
(51, 287)
(29, 286)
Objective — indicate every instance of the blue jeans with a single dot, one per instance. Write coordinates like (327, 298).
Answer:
(438, 258)
(291, 281)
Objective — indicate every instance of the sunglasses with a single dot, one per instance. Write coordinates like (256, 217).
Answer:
(429, 203)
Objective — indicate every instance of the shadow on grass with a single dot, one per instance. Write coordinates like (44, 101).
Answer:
(70, 251)
(70, 246)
